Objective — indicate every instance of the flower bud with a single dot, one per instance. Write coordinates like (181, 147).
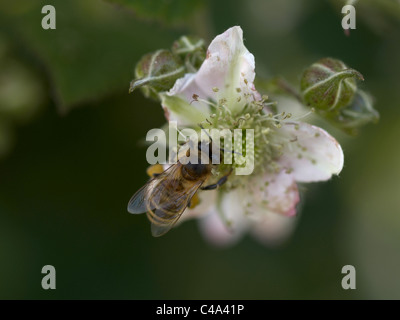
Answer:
(329, 85)
(357, 114)
(191, 50)
(157, 72)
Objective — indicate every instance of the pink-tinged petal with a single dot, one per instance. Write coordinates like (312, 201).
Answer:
(276, 193)
(273, 229)
(275, 197)
(227, 73)
(215, 231)
(309, 152)
(226, 222)
(241, 209)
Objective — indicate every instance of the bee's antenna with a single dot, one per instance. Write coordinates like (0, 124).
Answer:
(202, 128)
(179, 131)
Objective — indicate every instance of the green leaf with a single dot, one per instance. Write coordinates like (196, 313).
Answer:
(168, 11)
(92, 51)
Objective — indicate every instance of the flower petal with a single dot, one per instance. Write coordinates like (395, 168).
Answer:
(309, 152)
(275, 193)
(215, 231)
(227, 73)
(226, 222)
(273, 229)
(275, 198)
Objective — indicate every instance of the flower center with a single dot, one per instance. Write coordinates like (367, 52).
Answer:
(268, 143)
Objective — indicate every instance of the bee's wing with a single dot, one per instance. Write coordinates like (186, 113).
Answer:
(165, 213)
(139, 203)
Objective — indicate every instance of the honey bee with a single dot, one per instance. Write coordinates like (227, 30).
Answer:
(166, 196)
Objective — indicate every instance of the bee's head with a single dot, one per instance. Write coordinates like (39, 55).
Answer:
(199, 162)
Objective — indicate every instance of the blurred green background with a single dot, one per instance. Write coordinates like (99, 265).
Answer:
(71, 155)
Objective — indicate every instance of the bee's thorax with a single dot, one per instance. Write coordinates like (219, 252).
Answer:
(195, 171)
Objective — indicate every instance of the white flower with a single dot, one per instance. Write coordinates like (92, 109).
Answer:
(286, 151)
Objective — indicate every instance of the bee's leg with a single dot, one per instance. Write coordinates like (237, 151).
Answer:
(194, 201)
(219, 183)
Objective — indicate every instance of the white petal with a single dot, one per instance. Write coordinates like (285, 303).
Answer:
(273, 207)
(309, 152)
(273, 229)
(215, 231)
(275, 193)
(229, 67)
(185, 88)
(225, 223)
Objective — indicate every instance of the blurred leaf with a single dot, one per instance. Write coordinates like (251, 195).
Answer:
(21, 94)
(92, 51)
(169, 11)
